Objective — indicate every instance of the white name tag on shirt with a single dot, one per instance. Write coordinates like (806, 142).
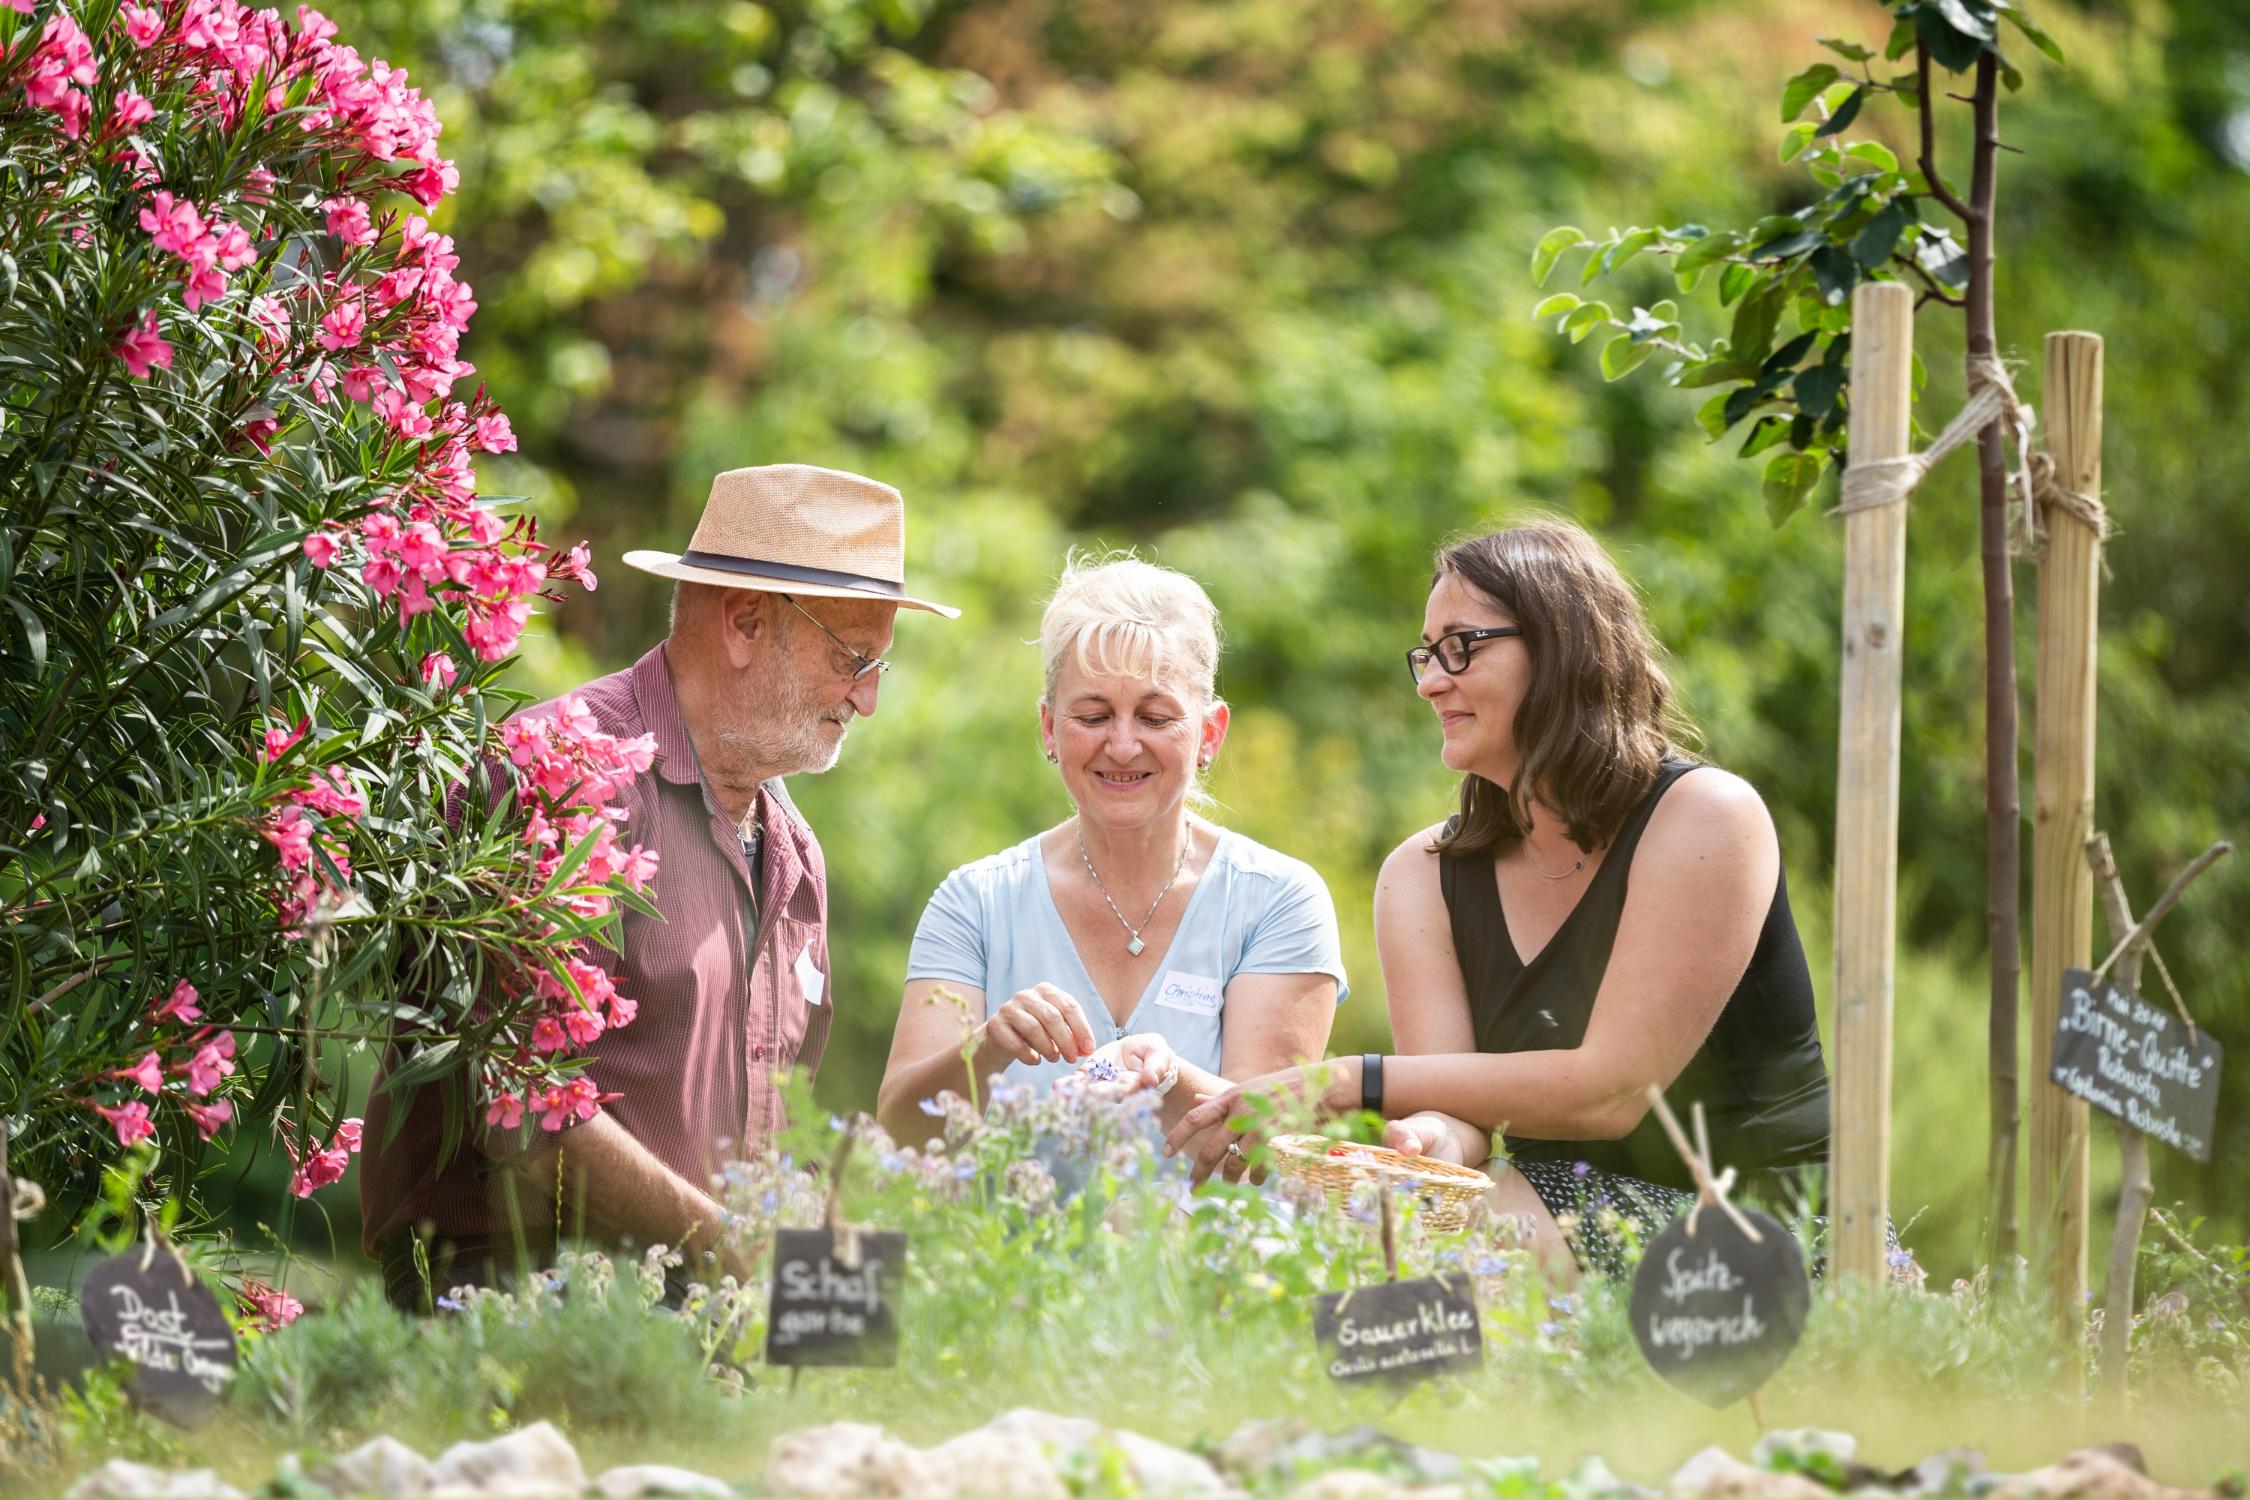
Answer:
(1189, 992)
(809, 978)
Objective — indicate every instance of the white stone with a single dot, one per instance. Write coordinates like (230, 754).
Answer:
(636, 1481)
(1156, 1467)
(1345, 1484)
(122, 1479)
(2088, 1474)
(1715, 1474)
(531, 1463)
(850, 1461)
(380, 1466)
(997, 1466)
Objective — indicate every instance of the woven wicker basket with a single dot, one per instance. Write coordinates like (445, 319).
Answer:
(1445, 1191)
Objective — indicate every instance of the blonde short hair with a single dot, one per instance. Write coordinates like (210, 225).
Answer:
(1118, 616)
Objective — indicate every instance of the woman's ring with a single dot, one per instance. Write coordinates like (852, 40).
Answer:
(1234, 1149)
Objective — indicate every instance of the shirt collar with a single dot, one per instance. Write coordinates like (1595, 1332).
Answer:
(660, 716)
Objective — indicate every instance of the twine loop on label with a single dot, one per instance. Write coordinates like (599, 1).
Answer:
(1711, 1188)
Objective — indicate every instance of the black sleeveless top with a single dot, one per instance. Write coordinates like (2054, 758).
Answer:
(1759, 1073)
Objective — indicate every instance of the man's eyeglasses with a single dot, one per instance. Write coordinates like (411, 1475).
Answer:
(1451, 652)
(862, 664)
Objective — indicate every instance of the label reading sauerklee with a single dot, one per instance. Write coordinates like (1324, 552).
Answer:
(1401, 1330)
(829, 1308)
(2135, 1060)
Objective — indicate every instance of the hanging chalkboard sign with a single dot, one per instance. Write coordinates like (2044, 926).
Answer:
(148, 1308)
(1400, 1330)
(2135, 1060)
(834, 1297)
(1716, 1312)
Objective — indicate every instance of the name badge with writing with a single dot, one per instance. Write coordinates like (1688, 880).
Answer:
(810, 979)
(1189, 992)
(1400, 1330)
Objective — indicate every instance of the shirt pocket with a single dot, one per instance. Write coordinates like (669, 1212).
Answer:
(800, 982)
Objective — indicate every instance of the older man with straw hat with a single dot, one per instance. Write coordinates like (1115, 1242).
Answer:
(782, 608)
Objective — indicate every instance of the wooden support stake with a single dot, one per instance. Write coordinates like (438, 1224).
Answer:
(1867, 784)
(15, 1288)
(2062, 886)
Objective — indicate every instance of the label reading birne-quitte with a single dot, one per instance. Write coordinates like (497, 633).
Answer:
(2136, 1061)
(832, 1306)
(1401, 1330)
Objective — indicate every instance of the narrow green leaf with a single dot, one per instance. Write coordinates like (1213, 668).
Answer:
(1850, 51)
(2039, 39)
(1703, 252)
(1765, 433)
(1735, 279)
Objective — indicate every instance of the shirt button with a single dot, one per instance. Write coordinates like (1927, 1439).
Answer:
(758, 1052)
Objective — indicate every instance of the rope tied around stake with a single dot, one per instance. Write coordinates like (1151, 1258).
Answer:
(1711, 1189)
(1992, 398)
(26, 1199)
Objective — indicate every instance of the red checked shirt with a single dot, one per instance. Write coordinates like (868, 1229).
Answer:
(731, 988)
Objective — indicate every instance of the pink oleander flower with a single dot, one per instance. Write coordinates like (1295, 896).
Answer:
(212, 1061)
(331, 794)
(638, 867)
(290, 832)
(320, 549)
(175, 223)
(547, 1035)
(129, 112)
(130, 1120)
(345, 325)
(585, 1026)
(143, 348)
(350, 221)
(143, 23)
(575, 1100)
(209, 1118)
(269, 1309)
(505, 1111)
(179, 1006)
(622, 1011)
(495, 434)
(279, 739)
(326, 1165)
(438, 670)
(148, 1073)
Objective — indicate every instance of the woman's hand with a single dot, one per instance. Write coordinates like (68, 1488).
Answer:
(1217, 1132)
(1039, 1025)
(1436, 1136)
(1147, 1061)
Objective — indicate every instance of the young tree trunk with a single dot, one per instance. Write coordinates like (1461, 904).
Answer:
(15, 1291)
(2003, 795)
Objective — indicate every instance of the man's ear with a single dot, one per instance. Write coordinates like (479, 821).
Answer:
(745, 625)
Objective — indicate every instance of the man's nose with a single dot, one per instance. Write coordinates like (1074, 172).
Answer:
(863, 694)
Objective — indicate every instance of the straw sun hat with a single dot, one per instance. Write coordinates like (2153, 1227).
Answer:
(793, 528)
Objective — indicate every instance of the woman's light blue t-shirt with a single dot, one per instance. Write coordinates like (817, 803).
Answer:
(993, 925)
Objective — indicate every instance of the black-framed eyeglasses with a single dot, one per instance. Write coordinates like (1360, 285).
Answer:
(1451, 652)
(862, 664)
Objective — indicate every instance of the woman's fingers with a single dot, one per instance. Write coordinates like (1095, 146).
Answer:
(1406, 1136)
(1209, 1110)
(1002, 1029)
(1079, 1039)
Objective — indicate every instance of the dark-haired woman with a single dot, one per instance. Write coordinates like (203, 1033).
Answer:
(1602, 914)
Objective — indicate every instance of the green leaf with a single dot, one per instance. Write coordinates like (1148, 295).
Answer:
(1969, 17)
(1714, 372)
(1560, 302)
(1585, 320)
(1755, 319)
(1805, 87)
(1734, 280)
(1795, 243)
(1846, 112)
(1901, 40)
(1711, 416)
(2039, 39)
(1850, 51)
(1704, 251)
(1784, 359)
(1834, 272)
(1951, 49)
(1874, 243)
(1796, 138)
(1875, 153)
(1622, 355)
(1615, 255)
(1552, 244)
(1789, 478)
(1765, 433)
(1817, 388)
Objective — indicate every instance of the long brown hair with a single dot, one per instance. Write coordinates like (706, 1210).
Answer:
(1598, 719)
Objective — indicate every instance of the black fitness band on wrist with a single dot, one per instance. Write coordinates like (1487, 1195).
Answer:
(1371, 1081)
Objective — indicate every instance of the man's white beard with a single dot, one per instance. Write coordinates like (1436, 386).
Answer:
(788, 730)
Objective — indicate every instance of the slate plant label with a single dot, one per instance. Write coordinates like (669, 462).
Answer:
(151, 1310)
(1715, 1312)
(1400, 1330)
(827, 1312)
(2133, 1060)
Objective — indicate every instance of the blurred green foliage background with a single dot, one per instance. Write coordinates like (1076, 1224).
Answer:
(1243, 283)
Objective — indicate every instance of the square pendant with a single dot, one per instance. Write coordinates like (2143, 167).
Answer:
(1134, 947)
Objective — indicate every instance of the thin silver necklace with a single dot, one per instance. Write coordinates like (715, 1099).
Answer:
(1134, 945)
(1525, 847)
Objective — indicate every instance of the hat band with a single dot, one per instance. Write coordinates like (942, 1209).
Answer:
(791, 573)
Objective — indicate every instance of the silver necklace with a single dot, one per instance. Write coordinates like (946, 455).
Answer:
(1134, 945)
(1525, 848)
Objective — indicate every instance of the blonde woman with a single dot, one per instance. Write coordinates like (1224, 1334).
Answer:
(1136, 925)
